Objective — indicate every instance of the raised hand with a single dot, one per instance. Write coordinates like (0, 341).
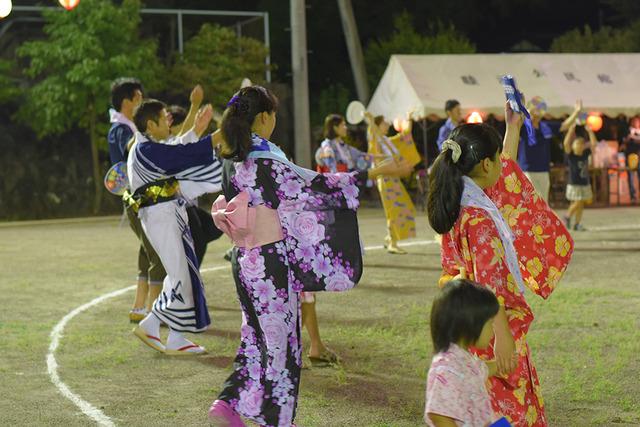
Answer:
(197, 94)
(512, 118)
(368, 117)
(203, 118)
(578, 105)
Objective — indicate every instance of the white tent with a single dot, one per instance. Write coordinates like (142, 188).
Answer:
(607, 83)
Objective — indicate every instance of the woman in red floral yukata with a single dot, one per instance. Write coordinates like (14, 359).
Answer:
(498, 231)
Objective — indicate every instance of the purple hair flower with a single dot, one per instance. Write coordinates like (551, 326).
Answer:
(232, 101)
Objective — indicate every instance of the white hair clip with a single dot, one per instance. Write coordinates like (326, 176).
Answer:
(456, 151)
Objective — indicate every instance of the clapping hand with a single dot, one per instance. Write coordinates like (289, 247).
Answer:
(203, 118)
(197, 94)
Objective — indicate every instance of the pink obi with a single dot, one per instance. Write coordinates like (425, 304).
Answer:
(248, 227)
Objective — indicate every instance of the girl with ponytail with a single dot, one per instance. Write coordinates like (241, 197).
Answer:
(498, 231)
(294, 230)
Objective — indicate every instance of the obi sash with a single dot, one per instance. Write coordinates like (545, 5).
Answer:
(248, 227)
(152, 194)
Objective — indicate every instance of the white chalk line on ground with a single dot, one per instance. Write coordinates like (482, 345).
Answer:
(625, 227)
(52, 365)
(96, 414)
(57, 333)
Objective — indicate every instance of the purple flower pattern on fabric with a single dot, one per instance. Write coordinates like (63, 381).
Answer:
(271, 277)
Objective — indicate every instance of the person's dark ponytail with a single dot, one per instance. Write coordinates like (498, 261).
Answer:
(477, 142)
(238, 118)
(445, 191)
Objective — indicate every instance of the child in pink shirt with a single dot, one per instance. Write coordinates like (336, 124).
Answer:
(461, 316)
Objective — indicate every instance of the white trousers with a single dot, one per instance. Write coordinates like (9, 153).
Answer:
(181, 305)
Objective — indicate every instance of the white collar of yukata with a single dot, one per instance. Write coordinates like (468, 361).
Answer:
(274, 152)
(118, 117)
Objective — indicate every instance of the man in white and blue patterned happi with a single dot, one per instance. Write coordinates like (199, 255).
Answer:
(155, 170)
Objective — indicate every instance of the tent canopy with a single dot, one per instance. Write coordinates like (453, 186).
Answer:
(607, 83)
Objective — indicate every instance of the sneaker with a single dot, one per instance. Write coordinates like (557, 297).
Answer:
(579, 227)
(567, 221)
(137, 314)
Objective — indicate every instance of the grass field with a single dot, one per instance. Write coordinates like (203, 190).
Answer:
(585, 339)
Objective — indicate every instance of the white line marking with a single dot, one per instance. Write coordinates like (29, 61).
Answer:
(57, 333)
(219, 267)
(622, 227)
(52, 365)
(367, 248)
(99, 416)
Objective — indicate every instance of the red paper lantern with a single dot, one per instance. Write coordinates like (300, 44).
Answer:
(69, 4)
(595, 122)
(474, 117)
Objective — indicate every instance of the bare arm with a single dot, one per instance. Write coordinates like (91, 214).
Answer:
(511, 141)
(572, 118)
(441, 420)
(196, 100)
(504, 346)
(388, 167)
(216, 138)
(592, 144)
(373, 133)
(568, 138)
(202, 120)
(592, 136)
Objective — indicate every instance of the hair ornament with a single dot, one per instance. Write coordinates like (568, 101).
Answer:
(456, 151)
(233, 101)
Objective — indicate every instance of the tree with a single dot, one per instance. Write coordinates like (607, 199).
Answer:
(83, 52)
(8, 82)
(218, 60)
(406, 40)
(333, 99)
(606, 39)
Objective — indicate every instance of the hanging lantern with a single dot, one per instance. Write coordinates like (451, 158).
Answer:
(400, 124)
(69, 4)
(5, 8)
(595, 122)
(474, 117)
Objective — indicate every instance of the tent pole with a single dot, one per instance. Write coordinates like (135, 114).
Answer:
(424, 141)
(425, 151)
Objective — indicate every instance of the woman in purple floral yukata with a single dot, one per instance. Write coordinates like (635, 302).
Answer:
(294, 230)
